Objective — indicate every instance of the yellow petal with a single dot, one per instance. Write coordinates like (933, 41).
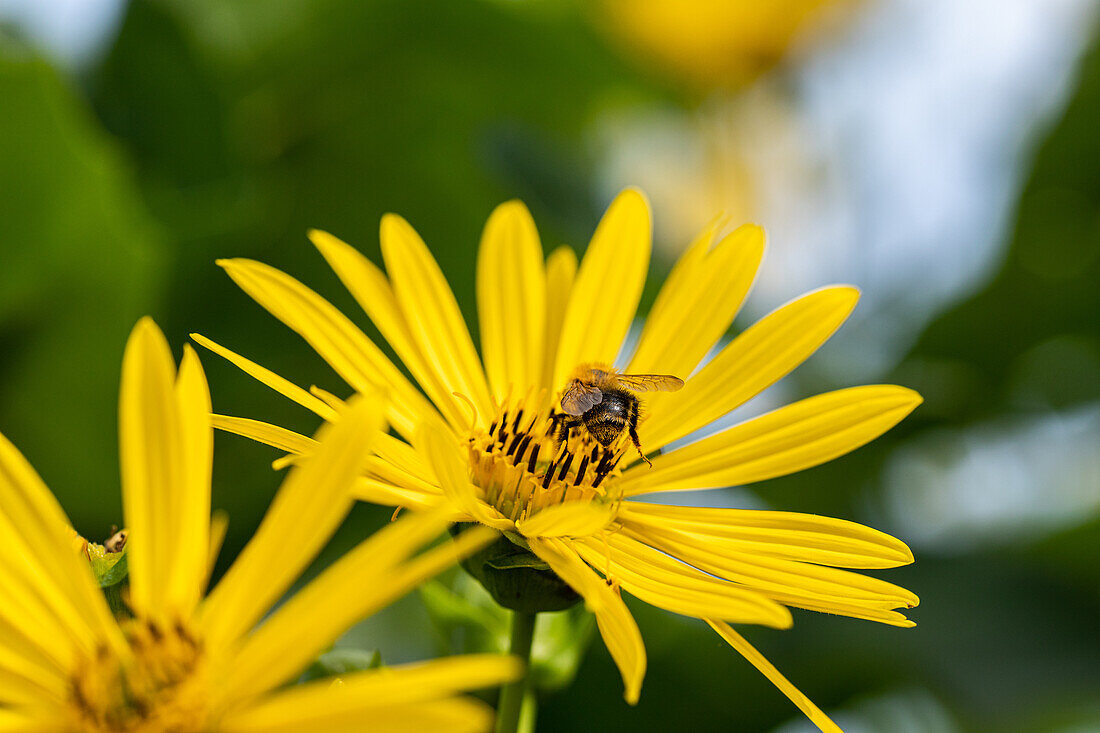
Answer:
(157, 483)
(571, 519)
(51, 601)
(398, 464)
(404, 457)
(334, 402)
(376, 491)
(813, 712)
(438, 444)
(790, 439)
(271, 379)
(261, 432)
(39, 624)
(605, 296)
(219, 524)
(39, 721)
(192, 506)
(756, 359)
(783, 535)
(339, 342)
(800, 584)
(698, 302)
(371, 289)
(370, 700)
(432, 313)
(666, 583)
(28, 682)
(307, 509)
(454, 715)
(375, 573)
(561, 270)
(617, 627)
(511, 300)
(384, 471)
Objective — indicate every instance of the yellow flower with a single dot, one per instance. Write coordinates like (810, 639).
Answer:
(490, 454)
(715, 42)
(185, 664)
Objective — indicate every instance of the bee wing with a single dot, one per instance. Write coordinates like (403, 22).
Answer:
(579, 398)
(650, 382)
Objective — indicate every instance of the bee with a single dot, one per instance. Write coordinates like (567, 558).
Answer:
(602, 400)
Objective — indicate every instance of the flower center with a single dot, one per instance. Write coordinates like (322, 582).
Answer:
(532, 458)
(158, 689)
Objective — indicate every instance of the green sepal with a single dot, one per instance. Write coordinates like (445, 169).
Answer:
(516, 578)
(511, 562)
(110, 568)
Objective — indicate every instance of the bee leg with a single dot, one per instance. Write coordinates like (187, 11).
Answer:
(638, 445)
(556, 427)
(560, 427)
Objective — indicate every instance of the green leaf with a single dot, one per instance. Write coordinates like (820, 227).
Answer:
(341, 662)
(450, 610)
(561, 641)
(465, 611)
(81, 261)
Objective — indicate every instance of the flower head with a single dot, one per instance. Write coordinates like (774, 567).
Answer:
(501, 447)
(184, 663)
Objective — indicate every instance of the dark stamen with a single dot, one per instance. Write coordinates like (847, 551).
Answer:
(533, 461)
(549, 475)
(522, 449)
(607, 463)
(515, 443)
(493, 428)
(565, 466)
(580, 471)
(519, 416)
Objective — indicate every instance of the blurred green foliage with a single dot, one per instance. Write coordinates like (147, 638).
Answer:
(468, 620)
(82, 261)
(214, 129)
(340, 662)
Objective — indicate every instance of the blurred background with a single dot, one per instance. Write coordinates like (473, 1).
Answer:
(942, 156)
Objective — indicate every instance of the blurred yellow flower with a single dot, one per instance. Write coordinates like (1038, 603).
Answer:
(713, 43)
(747, 155)
(185, 664)
(491, 457)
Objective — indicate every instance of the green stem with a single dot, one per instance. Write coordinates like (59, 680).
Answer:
(529, 711)
(511, 695)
